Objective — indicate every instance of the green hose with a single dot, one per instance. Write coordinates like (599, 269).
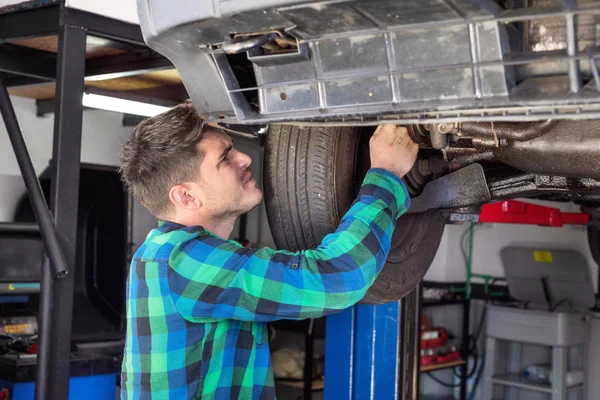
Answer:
(469, 269)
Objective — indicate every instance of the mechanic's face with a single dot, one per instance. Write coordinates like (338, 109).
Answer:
(228, 187)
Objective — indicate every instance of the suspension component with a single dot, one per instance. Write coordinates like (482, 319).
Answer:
(439, 135)
(505, 130)
(417, 177)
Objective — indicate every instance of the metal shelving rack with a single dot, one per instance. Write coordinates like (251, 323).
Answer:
(438, 367)
(465, 303)
(457, 297)
(520, 382)
(58, 221)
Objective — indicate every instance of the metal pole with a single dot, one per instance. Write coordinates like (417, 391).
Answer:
(410, 320)
(308, 359)
(571, 33)
(19, 227)
(559, 372)
(465, 348)
(36, 196)
(52, 380)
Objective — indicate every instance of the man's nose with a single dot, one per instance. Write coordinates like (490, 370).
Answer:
(244, 160)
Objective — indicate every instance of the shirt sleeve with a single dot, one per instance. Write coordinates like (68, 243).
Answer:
(212, 279)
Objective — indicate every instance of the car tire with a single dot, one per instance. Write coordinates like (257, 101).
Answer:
(311, 177)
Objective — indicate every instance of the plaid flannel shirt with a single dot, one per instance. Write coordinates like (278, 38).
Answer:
(198, 305)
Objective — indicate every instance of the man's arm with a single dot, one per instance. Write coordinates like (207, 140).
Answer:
(212, 278)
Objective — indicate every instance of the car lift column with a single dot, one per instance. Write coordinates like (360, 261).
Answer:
(56, 302)
(367, 355)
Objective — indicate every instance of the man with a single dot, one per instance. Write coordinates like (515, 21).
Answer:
(198, 303)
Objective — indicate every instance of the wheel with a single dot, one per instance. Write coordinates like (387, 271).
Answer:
(414, 244)
(312, 176)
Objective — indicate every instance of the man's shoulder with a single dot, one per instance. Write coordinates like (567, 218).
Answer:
(162, 241)
(159, 244)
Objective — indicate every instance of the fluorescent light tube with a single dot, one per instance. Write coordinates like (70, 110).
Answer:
(121, 105)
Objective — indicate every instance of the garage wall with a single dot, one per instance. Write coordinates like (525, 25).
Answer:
(103, 135)
(4, 3)
(489, 239)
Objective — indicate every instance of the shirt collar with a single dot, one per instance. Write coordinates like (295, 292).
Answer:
(168, 226)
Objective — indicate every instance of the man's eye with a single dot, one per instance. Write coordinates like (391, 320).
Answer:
(225, 159)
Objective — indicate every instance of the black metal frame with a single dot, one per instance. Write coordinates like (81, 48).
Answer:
(558, 187)
(410, 344)
(27, 66)
(42, 214)
(466, 308)
(68, 68)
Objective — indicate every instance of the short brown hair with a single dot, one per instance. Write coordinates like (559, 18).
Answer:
(161, 153)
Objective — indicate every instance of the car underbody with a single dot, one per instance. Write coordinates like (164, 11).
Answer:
(454, 71)
(553, 160)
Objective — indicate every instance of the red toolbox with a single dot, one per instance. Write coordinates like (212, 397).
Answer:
(435, 337)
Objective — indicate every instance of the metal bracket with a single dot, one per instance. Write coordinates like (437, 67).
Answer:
(239, 45)
(461, 188)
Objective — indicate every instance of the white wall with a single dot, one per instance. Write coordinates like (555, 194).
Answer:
(12, 188)
(124, 10)
(4, 3)
(489, 239)
(102, 137)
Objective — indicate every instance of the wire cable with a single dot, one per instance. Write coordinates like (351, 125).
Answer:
(441, 382)
(470, 373)
(477, 378)
(480, 328)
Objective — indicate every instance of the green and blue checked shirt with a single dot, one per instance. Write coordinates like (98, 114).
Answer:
(197, 305)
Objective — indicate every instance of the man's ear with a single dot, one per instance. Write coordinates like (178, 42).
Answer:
(182, 196)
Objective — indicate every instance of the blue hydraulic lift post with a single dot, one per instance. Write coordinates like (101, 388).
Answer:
(373, 352)
(362, 353)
